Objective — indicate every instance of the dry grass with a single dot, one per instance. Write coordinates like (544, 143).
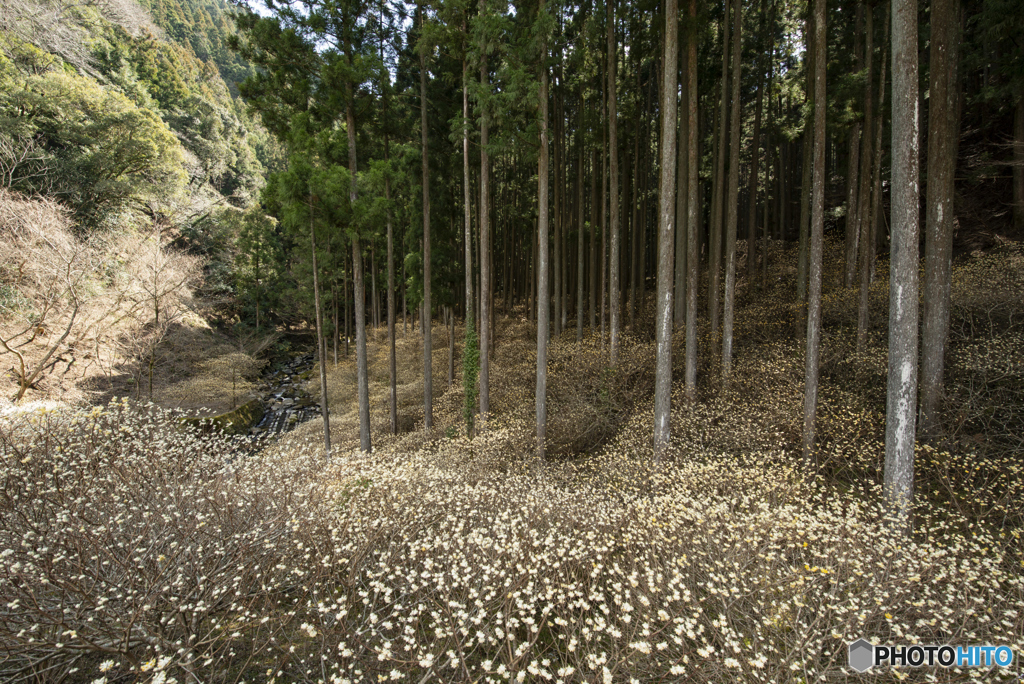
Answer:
(78, 312)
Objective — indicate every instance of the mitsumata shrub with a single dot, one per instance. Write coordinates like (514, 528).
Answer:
(135, 550)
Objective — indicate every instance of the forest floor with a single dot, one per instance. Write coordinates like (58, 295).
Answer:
(438, 558)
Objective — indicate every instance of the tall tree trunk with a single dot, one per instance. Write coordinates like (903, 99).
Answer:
(864, 200)
(732, 222)
(613, 186)
(344, 295)
(556, 186)
(534, 274)
(485, 245)
(682, 186)
(755, 171)
(877, 218)
(604, 209)
(943, 139)
(1018, 164)
(451, 346)
(632, 196)
(594, 199)
(693, 207)
(901, 398)
(876, 174)
(392, 363)
(853, 167)
(468, 242)
(666, 225)
(579, 237)
(851, 236)
(321, 346)
(642, 225)
(817, 238)
(805, 181)
(374, 302)
(362, 377)
(428, 381)
(718, 190)
(543, 301)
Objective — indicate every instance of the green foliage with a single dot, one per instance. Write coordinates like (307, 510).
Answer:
(258, 261)
(124, 122)
(102, 153)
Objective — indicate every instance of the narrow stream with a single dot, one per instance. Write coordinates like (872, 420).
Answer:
(282, 391)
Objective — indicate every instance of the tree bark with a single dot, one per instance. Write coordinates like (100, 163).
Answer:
(732, 221)
(943, 139)
(817, 238)
(901, 397)
(666, 225)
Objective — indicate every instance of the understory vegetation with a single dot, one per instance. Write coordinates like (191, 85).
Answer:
(136, 550)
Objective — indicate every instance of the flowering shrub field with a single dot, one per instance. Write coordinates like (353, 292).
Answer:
(135, 550)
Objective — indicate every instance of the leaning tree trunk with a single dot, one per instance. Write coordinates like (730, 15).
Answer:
(943, 139)
(817, 238)
(901, 397)
(666, 224)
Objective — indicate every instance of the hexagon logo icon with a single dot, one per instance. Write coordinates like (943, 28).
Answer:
(861, 655)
